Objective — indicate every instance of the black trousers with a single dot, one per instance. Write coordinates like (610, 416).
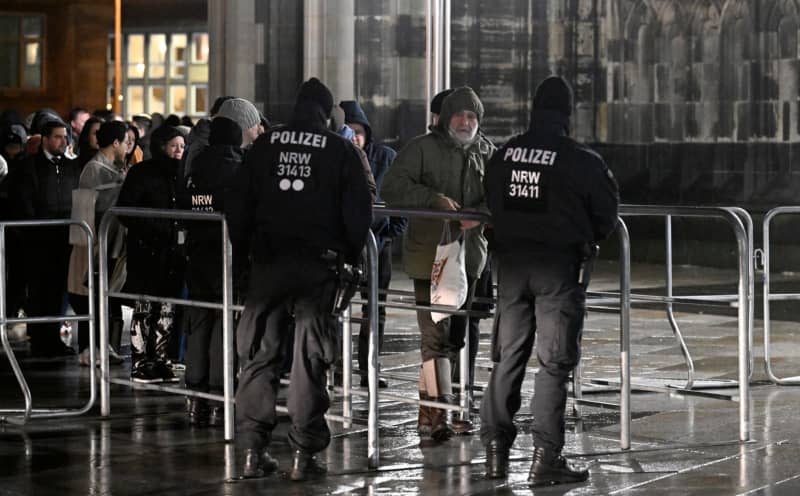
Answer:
(538, 296)
(307, 287)
(204, 349)
(384, 279)
(48, 264)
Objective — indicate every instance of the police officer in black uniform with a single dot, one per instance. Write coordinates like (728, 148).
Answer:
(551, 199)
(204, 189)
(302, 204)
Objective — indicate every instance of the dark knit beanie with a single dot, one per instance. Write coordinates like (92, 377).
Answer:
(553, 94)
(313, 90)
(436, 103)
(225, 131)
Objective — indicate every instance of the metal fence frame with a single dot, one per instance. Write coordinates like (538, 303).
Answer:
(768, 297)
(734, 217)
(29, 412)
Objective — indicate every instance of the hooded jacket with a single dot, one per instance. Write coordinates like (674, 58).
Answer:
(155, 261)
(380, 157)
(432, 166)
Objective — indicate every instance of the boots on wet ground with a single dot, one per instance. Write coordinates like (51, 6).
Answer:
(550, 467)
(306, 466)
(258, 463)
(497, 459)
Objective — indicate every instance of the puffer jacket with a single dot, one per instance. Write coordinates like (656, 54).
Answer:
(429, 167)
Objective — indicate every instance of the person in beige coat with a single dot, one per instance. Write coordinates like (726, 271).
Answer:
(98, 188)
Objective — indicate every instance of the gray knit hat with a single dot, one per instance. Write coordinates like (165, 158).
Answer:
(240, 111)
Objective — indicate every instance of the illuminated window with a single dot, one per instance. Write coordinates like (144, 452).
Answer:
(157, 58)
(177, 99)
(200, 48)
(135, 100)
(21, 51)
(199, 100)
(136, 56)
(156, 99)
(165, 73)
(177, 61)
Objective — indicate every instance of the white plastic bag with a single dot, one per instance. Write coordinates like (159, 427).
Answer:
(448, 275)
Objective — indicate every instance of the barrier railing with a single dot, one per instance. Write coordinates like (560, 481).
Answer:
(769, 296)
(744, 297)
(227, 307)
(29, 412)
(466, 386)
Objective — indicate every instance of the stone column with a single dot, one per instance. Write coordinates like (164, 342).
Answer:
(236, 46)
(329, 49)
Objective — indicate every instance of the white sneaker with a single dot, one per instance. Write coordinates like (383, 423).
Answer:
(114, 358)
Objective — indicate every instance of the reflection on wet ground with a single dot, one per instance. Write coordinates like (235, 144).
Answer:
(681, 444)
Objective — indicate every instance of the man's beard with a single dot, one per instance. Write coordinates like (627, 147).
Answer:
(461, 139)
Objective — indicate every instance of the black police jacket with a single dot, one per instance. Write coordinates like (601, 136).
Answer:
(547, 192)
(210, 180)
(302, 189)
(155, 262)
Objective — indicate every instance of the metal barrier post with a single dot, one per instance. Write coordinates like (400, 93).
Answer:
(745, 267)
(227, 333)
(29, 412)
(676, 331)
(347, 364)
(373, 453)
(102, 278)
(624, 335)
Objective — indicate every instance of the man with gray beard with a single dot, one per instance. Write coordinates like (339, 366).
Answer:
(441, 170)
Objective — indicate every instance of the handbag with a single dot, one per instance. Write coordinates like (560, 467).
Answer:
(449, 274)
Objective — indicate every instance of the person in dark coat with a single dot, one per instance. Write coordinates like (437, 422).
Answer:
(385, 229)
(43, 190)
(210, 180)
(155, 262)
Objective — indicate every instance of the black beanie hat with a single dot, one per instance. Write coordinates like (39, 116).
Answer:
(313, 90)
(436, 103)
(225, 131)
(553, 94)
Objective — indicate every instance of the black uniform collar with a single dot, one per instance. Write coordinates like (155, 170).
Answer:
(309, 115)
(550, 122)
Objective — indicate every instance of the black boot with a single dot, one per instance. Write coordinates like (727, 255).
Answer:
(258, 463)
(197, 411)
(306, 466)
(496, 459)
(550, 467)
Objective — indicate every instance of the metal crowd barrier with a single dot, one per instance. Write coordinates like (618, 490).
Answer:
(29, 412)
(227, 307)
(734, 216)
(466, 387)
(768, 297)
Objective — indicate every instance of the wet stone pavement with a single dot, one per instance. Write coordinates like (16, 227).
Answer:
(681, 444)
